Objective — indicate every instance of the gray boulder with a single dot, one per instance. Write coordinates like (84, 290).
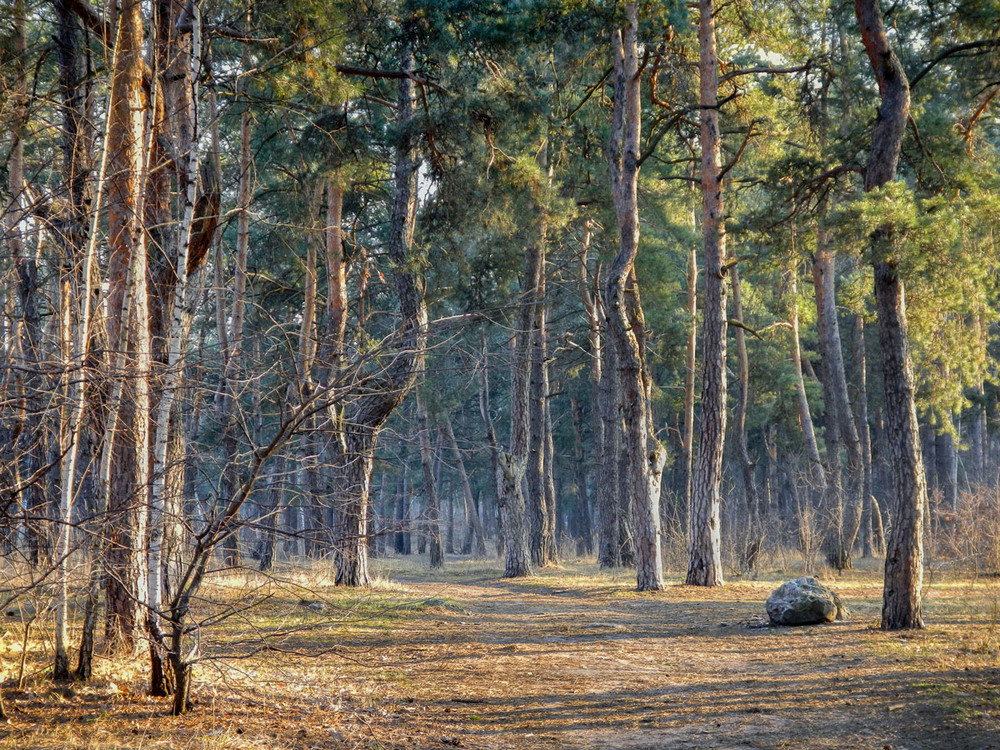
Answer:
(804, 601)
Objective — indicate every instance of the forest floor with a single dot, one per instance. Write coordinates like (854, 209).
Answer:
(572, 658)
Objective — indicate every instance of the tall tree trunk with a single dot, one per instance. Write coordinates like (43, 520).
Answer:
(690, 378)
(754, 539)
(231, 340)
(845, 516)
(511, 466)
(901, 602)
(704, 542)
(548, 481)
(391, 385)
(643, 456)
(871, 524)
(30, 444)
(609, 526)
(175, 317)
(537, 469)
(591, 296)
(125, 464)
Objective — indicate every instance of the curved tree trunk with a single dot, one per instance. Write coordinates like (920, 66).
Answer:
(391, 386)
(901, 599)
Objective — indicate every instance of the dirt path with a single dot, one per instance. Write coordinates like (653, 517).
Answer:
(572, 658)
(552, 663)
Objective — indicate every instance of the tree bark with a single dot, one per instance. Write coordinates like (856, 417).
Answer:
(871, 524)
(538, 470)
(901, 601)
(704, 542)
(814, 472)
(390, 386)
(125, 465)
(690, 378)
(845, 515)
(511, 466)
(754, 538)
(643, 456)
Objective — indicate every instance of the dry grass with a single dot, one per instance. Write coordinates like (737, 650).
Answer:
(571, 658)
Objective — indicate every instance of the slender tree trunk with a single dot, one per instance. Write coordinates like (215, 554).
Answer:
(704, 542)
(846, 513)
(814, 472)
(871, 524)
(901, 603)
(582, 524)
(947, 466)
(548, 481)
(76, 320)
(430, 486)
(30, 444)
(690, 378)
(176, 313)
(609, 539)
(537, 468)
(643, 456)
(754, 540)
(979, 440)
(231, 340)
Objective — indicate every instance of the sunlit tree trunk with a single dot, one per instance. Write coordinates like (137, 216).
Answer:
(704, 542)
(536, 471)
(125, 462)
(643, 455)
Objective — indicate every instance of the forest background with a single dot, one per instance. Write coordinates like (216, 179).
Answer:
(299, 281)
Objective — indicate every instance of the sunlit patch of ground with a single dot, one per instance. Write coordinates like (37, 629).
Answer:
(572, 658)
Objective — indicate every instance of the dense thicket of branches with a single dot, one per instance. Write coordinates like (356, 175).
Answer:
(285, 281)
